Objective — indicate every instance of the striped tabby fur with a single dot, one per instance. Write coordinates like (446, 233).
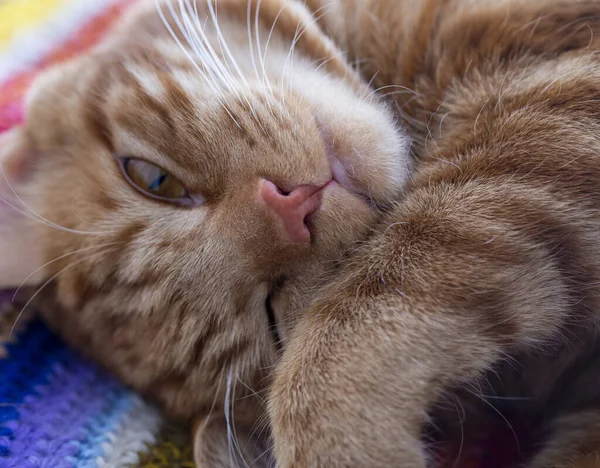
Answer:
(486, 263)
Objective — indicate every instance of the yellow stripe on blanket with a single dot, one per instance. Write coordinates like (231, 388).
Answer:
(19, 15)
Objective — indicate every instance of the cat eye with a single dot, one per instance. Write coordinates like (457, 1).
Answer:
(154, 182)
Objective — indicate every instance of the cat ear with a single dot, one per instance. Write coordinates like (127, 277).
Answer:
(20, 252)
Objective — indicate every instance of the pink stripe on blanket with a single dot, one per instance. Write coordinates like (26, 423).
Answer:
(13, 90)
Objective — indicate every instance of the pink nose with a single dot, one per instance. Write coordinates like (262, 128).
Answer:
(293, 207)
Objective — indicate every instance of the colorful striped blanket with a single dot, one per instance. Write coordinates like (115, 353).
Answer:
(58, 410)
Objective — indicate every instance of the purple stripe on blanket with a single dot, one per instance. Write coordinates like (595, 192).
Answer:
(51, 403)
(54, 423)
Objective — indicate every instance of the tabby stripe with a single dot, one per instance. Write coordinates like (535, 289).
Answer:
(566, 251)
(94, 116)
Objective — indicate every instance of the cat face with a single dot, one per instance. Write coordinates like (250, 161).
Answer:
(205, 180)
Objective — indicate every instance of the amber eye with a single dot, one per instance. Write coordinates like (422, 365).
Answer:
(155, 182)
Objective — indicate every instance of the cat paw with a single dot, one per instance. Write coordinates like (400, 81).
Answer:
(314, 426)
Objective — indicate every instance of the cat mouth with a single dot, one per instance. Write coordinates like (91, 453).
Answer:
(342, 171)
(341, 178)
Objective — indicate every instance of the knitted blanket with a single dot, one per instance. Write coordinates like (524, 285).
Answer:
(58, 410)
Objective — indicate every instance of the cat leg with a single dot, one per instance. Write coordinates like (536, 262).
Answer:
(457, 278)
(574, 443)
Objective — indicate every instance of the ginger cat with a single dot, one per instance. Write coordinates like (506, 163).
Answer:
(224, 210)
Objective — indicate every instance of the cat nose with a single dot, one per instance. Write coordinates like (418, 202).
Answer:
(292, 208)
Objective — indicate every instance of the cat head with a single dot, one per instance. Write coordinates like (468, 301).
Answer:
(183, 190)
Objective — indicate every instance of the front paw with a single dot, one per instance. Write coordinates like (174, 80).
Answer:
(335, 436)
(331, 407)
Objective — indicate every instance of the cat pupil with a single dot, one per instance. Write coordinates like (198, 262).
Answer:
(158, 182)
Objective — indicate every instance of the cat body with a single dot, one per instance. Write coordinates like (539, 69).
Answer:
(390, 297)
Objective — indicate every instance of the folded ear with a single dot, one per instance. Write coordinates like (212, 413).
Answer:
(20, 250)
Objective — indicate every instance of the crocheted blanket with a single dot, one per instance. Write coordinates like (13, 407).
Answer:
(58, 410)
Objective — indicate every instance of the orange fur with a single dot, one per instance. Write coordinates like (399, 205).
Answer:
(493, 252)
(172, 300)
(402, 296)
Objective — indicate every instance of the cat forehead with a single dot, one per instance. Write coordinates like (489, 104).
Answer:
(168, 109)
(175, 105)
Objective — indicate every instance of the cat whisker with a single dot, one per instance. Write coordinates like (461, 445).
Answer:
(506, 398)
(395, 93)
(320, 61)
(461, 414)
(561, 77)
(46, 283)
(34, 216)
(261, 59)
(227, 416)
(285, 68)
(214, 404)
(266, 82)
(252, 391)
(261, 425)
(267, 450)
(256, 394)
(479, 115)
(271, 34)
(227, 58)
(183, 25)
(535, 23)
(512, 430)
(358, 62)
(232, 440)
(445, 161)
(223, 42)
(370, 83)
(165, 22)
(23, 213)
(250, 40)
(394, 225)
(210, 82)
(198, 40)
(440, 125)
(236, 439)
(267, 368)
(75, 198)
(60, 258)
(408, 90)
(221, 66)
(225, 50)
(324, 62)
(322, 11)
(288, 63)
